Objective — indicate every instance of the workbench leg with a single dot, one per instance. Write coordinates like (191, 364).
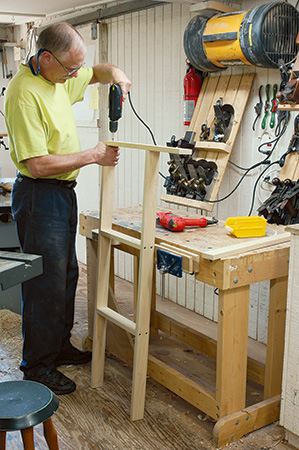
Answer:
(275, 339)
(232, 341)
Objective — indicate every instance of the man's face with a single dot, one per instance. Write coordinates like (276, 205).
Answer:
(60, 69)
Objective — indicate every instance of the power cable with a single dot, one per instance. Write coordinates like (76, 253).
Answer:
(255, 185)
(247, 170)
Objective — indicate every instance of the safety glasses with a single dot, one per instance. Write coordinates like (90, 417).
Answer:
(69, 72)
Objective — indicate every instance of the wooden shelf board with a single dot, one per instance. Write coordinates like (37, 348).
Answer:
(211, 146)
(153, 148)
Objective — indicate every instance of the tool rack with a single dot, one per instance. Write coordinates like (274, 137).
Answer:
(235, 90)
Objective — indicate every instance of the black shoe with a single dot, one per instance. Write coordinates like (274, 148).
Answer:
(54, 380)
(72, 356)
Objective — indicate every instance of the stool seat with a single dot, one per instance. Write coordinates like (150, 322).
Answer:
(24, 404)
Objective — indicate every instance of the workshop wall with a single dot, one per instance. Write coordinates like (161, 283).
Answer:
(8, 65)
(148, 45)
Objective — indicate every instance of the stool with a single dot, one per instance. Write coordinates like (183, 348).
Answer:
(24, 404)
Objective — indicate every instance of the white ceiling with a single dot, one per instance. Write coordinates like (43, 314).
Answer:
(16, 12)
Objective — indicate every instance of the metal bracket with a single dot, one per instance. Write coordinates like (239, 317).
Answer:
(168, 263)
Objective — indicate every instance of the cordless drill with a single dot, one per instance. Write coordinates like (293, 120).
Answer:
(115, 107)
(176, 223)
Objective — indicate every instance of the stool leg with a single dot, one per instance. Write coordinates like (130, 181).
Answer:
(27, 436)
(2, 440)
(50, 434)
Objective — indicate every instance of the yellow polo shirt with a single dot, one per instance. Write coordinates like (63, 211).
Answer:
(39, 117)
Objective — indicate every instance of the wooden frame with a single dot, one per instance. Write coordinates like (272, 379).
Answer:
(145, 245)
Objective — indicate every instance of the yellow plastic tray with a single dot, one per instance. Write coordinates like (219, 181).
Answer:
(252, 226)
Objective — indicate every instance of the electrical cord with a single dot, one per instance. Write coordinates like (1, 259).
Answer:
(239, 182)
(142, 121)
(247, 170)
(256, 183)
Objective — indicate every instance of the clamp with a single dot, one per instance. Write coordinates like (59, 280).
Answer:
(266, 107)
(258, 107)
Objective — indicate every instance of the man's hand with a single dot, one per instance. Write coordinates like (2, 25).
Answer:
(106, 155)
(52, 165)
(119, 77)
(110, 74)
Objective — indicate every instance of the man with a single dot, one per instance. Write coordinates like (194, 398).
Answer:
(45, 148)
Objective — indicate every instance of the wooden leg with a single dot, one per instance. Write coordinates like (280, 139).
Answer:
(2, 440)
(50, 434)
(136, 269)
(275, 340)
(91, 256)
(231, 371)
(145, 284)
(102, 277)
(27, 436)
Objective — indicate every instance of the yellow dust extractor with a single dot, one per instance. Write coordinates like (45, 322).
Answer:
(260, 37)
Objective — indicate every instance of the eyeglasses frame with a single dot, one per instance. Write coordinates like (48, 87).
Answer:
(70, 73)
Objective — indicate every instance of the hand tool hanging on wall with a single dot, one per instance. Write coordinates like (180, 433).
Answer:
(205, 132)
(224, 115)
(282, 207)
(289, 86)
(258, 107)
(266, 107)
(274, 106)
(294, 142)
(186, 142)
(176, 223)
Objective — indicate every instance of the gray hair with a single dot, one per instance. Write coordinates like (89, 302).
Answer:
(59, 38)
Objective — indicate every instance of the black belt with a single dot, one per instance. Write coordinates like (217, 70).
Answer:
(65, 183)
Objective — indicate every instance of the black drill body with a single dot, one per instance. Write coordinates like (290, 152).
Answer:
(115, 107)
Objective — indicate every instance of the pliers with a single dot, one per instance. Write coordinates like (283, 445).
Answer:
(266, 108)
(258, 107)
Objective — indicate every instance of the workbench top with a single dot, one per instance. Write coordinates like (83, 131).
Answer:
(238, 261)
(193, 239)
(15, 268)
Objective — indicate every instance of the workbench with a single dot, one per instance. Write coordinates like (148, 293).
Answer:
(223, 396)
(16, 268)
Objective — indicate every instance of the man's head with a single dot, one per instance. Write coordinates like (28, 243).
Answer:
(63, 52)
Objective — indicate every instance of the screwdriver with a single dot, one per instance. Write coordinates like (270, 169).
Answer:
(115, 108)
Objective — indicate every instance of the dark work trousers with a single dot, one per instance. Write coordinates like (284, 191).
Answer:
(46, 218)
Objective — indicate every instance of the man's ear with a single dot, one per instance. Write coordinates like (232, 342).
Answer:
(46, 58)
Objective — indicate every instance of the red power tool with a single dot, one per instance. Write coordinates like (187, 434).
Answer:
(176, 223)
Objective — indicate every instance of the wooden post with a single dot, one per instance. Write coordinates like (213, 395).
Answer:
(233, 311)
(145, 283)
(275, 340)
(103, 275)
